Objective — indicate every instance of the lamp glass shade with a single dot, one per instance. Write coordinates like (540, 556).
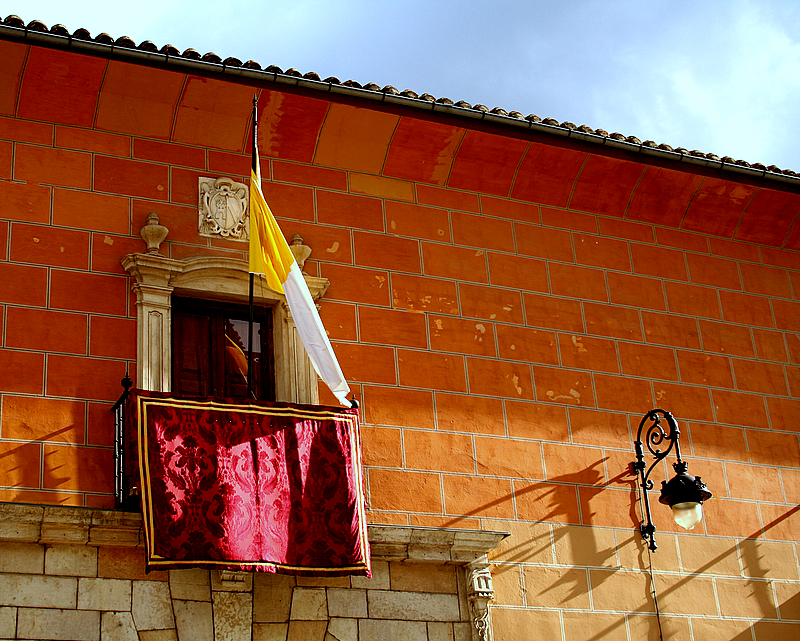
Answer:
(688, 514)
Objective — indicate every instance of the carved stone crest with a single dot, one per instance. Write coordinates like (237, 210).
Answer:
(224, 209)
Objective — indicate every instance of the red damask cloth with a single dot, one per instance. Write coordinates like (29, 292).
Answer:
(256, 486)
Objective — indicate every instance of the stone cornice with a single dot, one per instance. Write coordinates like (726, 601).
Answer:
(110, 528)
(79, 526)
(431, 545)
(194, 275)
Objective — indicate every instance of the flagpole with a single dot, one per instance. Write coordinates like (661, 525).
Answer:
(250, 324)
(271, 255)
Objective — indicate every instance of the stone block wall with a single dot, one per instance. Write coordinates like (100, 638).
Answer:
(79, 575)
(89, 594)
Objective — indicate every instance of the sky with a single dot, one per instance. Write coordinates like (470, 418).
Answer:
(720, 76)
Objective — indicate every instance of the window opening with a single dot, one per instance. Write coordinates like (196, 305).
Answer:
(210, 350)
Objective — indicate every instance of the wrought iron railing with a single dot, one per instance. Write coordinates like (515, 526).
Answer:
(126, 496)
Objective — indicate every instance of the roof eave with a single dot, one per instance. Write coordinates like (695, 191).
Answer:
(111, 50)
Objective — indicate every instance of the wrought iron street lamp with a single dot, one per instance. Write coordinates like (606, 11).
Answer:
(684, 493)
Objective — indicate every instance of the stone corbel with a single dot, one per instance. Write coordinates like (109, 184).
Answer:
(466, 548)
(480, 591)
(231, 581)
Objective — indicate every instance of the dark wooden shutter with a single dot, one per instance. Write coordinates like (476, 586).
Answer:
(192, 345)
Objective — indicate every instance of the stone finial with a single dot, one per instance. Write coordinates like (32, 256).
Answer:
(301, 252)
(153, 234)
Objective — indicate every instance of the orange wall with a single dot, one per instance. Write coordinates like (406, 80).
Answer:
(505, 347)
(462, 316)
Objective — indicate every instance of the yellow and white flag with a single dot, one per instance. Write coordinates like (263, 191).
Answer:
(270, 255)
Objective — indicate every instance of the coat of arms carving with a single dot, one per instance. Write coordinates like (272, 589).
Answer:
(224, 209)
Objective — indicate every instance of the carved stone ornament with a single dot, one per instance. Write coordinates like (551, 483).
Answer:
(300, 251)
(153, 233)
(224, 209)
(480, 591)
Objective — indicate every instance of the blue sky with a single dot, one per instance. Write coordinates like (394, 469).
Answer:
(721, 76)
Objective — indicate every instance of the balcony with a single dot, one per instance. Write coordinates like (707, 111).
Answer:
(244, 485)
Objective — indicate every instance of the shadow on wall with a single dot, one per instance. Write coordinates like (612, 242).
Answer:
(753, 566)
(45, 451)
(569, 586)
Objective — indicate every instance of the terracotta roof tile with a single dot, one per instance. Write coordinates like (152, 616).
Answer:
(211, 57)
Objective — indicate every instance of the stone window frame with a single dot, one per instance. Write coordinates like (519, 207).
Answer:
(157, 278)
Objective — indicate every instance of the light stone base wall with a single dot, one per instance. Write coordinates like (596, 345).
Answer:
(63, 591)
(56, 582)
